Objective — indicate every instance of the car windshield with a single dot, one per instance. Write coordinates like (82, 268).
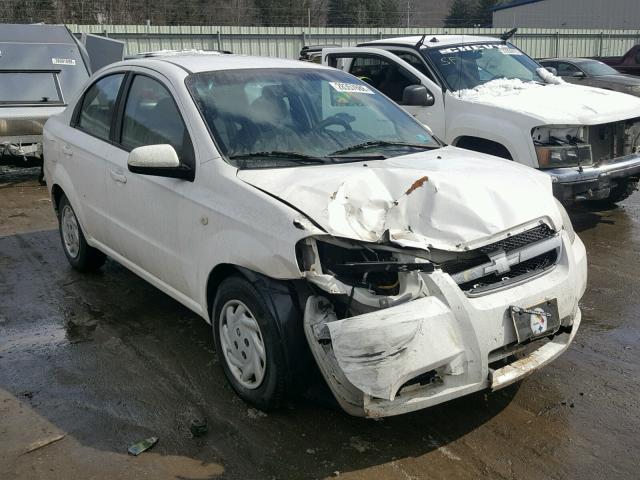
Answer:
(280, 117)
(596, 69)
(28, 87)
(468, 66)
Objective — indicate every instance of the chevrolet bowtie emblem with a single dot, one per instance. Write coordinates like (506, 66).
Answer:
(499, 263)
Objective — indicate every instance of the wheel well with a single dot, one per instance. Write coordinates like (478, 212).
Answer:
(483, 145)
(56, 193)
(217, 275)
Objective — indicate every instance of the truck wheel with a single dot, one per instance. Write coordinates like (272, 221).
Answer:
(80, 254)
(248, 344)
(622, 190)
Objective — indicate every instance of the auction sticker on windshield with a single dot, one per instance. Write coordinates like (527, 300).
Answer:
(350, 88)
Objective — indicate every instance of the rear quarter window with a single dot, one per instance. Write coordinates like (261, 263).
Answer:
(98, 105)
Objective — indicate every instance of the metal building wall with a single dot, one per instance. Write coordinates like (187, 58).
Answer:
(286, 42)
(601, 14)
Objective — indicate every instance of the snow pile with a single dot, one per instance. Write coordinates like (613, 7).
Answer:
(549, 77)
(497, 88)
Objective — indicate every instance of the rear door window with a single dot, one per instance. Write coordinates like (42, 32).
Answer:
(98, 105)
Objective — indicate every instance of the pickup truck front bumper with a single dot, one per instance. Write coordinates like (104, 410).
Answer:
(593, 183)
(445, 345)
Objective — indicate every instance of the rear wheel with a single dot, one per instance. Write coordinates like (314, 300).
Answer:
(79, 253)
(248, 344)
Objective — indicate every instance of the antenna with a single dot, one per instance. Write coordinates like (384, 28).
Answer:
(507, 35)
(421, 41)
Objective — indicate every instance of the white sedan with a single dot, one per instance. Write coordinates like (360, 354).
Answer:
(310, 219)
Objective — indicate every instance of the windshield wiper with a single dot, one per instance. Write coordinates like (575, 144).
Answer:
(294, 157)
(382, 143)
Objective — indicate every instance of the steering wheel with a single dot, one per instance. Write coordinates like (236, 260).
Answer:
(336, 119)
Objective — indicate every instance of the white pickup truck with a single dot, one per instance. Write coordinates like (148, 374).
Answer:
(484, 94)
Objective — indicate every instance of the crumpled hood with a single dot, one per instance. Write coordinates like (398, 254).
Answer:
(444, 198)
(563, 104)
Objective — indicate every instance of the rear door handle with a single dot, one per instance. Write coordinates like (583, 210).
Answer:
(67, 150)
(118, 177)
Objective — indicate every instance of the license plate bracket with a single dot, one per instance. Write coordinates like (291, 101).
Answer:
(537, 321)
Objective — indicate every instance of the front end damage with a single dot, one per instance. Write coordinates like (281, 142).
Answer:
(396, 329)
(590, 162)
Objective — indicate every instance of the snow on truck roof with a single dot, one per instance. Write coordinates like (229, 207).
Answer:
(441, 40)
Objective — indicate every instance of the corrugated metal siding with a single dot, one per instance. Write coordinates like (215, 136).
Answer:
(286, 42)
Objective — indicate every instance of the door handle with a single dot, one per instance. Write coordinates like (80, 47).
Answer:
(67, 150)
(118, 177)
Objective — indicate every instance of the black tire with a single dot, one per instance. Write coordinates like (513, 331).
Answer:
(271, 391)
(82, 256)
(622, 191)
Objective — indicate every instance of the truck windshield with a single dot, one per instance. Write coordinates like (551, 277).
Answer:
(468, 66)
(302, 116)
(17, 88)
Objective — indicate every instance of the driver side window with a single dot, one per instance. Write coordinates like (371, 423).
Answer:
(384, 75)
(566, 69)
(151, 117)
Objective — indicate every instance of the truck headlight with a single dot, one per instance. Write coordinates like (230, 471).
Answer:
(552, 156)
(566, 222)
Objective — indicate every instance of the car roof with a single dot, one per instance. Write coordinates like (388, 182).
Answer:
(434, 41)
(211, 61)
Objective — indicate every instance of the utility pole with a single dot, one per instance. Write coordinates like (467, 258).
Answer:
(408, 8)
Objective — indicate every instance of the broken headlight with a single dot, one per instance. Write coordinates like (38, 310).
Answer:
(552, 156)
(376, 268)
(561, 147)
(566, 221)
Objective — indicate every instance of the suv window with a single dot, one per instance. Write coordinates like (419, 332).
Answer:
(98, 105)
(151, 117)
(384, 75)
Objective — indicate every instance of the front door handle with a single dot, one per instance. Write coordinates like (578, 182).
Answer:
(118, 177)
(67, 150)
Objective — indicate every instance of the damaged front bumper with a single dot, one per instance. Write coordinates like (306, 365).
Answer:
(593, 183)
(443, 345)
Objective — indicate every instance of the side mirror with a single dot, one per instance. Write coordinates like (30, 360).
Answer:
(552, 70)
(417, 96)
(157, 160)
(578, 75)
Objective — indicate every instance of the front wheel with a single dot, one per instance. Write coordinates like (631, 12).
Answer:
(622, 190)
(82, 256)
(248, 346)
